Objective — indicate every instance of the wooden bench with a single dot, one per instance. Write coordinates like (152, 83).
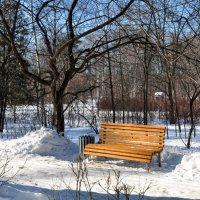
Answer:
(128, 142)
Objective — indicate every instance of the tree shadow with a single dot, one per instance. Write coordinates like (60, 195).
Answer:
(19, 192)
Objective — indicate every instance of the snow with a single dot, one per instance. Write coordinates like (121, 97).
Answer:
(44, 142)
(189, 168)
(40, 166)
(10, 192)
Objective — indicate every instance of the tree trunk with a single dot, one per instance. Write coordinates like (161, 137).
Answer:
(172, 119)
(177, 112)
(43, 110)
(122, 91)
(145, 117)
(146, 83)
(14, 114)
(37, 99)
(111, 88)
(192, 124)
(58, 117)
(3, 104)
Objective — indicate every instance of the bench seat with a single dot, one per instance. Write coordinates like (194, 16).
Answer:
(128, 141)
(119, 151)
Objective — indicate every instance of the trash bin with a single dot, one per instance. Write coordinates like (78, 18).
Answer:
(83, 141)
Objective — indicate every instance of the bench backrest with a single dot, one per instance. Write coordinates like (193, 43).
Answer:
(143, 136)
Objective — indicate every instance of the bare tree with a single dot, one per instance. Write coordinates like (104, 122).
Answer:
(190, 73)
(76, 21)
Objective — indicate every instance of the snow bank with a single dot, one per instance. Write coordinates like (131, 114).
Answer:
(9, 192)
(189, 167)
(44, 142)
(184, 163)
(172, 154)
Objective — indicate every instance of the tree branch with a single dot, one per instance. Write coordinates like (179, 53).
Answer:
(109, 21)
(23, 63)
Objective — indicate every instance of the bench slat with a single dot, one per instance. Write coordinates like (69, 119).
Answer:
(113, 141)
(131, 125)
(133, 132)
(137, 148)
(130, 137)
(127, 154)
(118, 156)
(130, 131)
(119, 148)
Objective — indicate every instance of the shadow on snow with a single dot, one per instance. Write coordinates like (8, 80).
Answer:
(68, 194)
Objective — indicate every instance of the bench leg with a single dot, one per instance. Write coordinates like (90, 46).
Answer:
(89, 158)
(81, 157)
(159, 160)
(86, 158)
(148, 167)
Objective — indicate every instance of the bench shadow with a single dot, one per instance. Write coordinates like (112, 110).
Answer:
(168, 164)
(65, 194)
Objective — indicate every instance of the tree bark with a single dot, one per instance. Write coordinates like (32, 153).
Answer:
(58, 116)
(146, 75)
(172, 119)
(3, 104)
(111, 89)
(122, 91)
(192, 124)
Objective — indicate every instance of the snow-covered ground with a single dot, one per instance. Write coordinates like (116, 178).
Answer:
(41, 166)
